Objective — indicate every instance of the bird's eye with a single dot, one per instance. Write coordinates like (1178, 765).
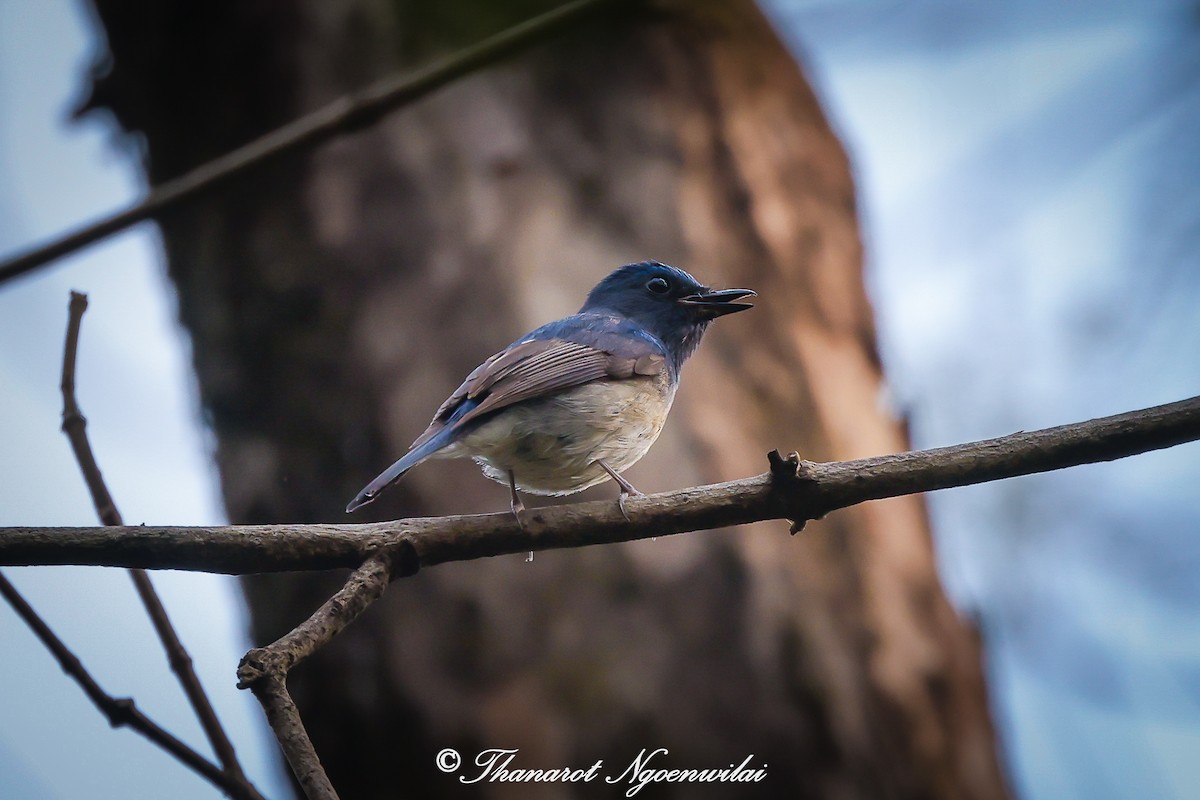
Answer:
(658, 285)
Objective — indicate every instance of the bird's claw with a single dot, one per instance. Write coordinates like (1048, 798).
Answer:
(515, 502)
(621, 505)
(621, 501)
(627, 489)
(518, 508)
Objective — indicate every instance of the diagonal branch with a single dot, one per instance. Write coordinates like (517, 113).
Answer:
(805, 491)
(346, 114)
(119, 711)
(284, 719)
(364, 586)
(74, 425)
(264, 670)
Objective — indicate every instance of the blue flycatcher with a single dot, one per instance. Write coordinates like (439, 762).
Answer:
(579, 400)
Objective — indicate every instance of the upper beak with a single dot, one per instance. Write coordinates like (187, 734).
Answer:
(712, 303)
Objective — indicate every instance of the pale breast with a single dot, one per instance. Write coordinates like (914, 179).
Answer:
(553, 444)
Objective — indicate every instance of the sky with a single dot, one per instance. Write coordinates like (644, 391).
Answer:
(1027, 178)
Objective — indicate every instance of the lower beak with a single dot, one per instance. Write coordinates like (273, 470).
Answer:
(717, 303)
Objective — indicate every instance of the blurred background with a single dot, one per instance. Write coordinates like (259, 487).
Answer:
(1027, 190)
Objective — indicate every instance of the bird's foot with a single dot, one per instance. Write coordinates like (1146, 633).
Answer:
(518, 508)
(621, 505)
(627, 489)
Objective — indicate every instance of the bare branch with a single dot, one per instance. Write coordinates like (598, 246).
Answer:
(119, 711)
(264, 669)
(284, 719)
(346, 114)
(181, 664)
(74, 425)
(364, 586)
(809, 493)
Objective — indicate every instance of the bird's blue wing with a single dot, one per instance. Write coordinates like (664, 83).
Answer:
(570, 352)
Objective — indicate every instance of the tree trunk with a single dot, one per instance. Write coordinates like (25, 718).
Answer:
(333, 301)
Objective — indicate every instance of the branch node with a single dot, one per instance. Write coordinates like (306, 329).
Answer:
(72, 419)
(790, 476)
(404, 559)
(258, 664)
(121, 712)
(791, 468)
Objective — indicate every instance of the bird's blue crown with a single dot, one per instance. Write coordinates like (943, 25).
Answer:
(649, 293)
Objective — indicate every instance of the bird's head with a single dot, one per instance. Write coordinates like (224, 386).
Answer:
(666, 301)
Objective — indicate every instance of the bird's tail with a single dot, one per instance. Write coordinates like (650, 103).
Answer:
(396, 471)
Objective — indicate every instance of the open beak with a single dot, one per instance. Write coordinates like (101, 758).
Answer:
(713, 303)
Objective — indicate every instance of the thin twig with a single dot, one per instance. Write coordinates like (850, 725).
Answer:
(181, 664)
(246, 549)
(119, 711)
(74, 425)
(346, 114)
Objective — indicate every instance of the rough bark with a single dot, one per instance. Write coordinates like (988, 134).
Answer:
(333, 301)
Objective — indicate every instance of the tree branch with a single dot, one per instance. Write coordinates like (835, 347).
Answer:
(119, 711)
(284, 719)
(74, 424)
(797, 490)
(364, 586)
(264, 670)
(233, 779)
(344, 115)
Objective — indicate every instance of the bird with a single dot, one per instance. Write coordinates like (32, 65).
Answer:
(579, 400)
